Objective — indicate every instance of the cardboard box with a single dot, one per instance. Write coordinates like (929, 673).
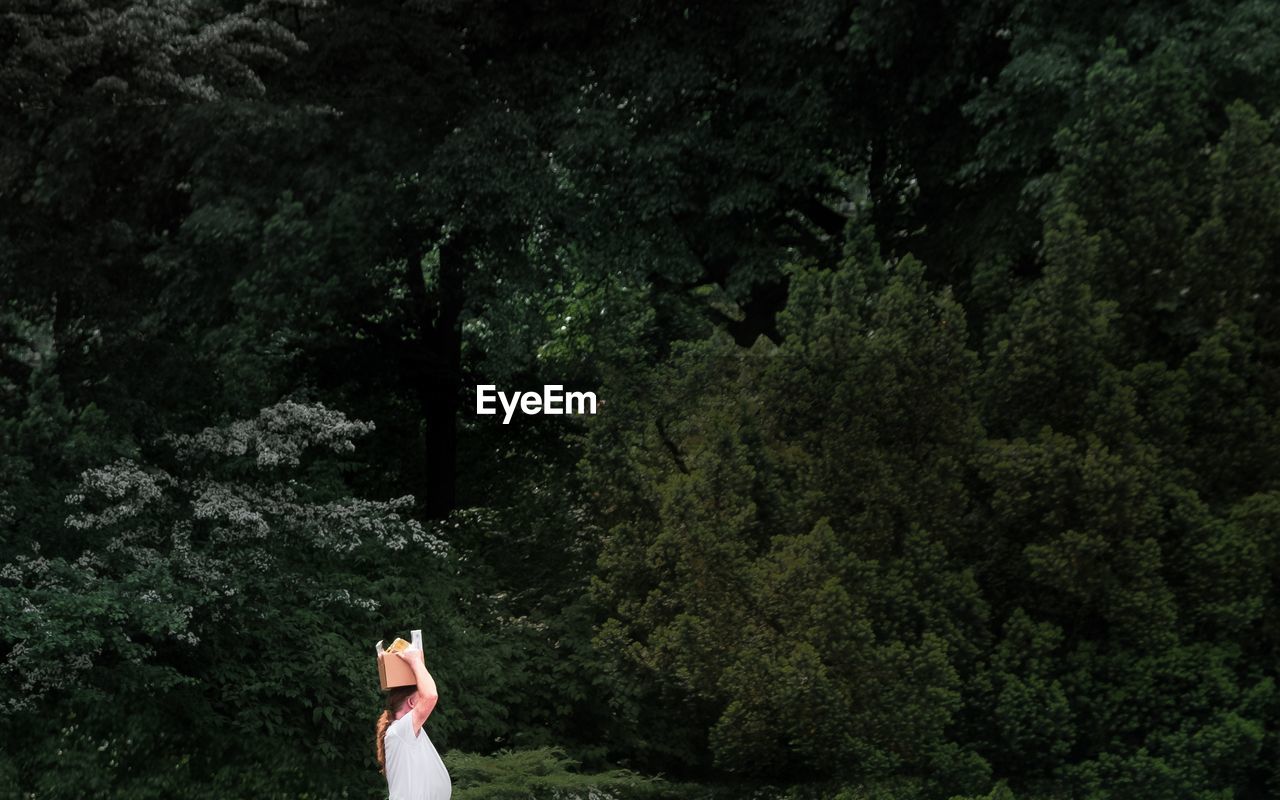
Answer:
(393, 672)
(392, 669)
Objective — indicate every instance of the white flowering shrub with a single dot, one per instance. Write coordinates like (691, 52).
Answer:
(230, 537)
(278, 436)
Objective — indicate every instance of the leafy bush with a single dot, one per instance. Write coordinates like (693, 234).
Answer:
(219, 601)
(544, 774)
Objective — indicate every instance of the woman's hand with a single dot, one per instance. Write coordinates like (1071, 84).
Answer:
(413, 658)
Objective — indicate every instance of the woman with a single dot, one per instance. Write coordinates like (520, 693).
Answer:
(405, 754)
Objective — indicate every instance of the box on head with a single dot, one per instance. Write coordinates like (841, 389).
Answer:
(392, 670)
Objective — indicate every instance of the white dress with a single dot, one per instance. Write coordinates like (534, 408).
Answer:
(414, 768)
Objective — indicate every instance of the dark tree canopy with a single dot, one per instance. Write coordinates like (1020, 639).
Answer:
(938, 357)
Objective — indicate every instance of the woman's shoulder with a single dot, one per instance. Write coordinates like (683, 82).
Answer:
(401, 728)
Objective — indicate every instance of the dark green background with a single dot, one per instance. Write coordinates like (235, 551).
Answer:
(939, 353)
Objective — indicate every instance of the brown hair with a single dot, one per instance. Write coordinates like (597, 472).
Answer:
(395, 699)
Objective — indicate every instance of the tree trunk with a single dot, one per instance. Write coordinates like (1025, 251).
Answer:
(883, 211)
(438, 377)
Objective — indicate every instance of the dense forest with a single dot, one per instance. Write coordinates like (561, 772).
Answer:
(938, 354)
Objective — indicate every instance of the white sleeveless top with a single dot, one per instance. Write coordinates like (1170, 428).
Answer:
(414, 768)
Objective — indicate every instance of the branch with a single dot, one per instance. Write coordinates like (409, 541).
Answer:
(671, 446)
(829, 220)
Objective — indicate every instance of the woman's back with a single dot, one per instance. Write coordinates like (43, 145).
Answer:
(414, 768)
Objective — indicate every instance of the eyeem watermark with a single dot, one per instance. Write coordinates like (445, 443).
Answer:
(553, 399)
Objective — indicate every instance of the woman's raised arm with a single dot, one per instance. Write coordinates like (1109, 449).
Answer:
(426, 698)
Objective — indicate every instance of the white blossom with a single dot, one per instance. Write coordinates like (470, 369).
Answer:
(204, 535)
(128, 487)
(278, 436)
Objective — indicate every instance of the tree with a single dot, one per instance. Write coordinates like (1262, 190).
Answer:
(227, 591)
(781, 528)
(84, 95)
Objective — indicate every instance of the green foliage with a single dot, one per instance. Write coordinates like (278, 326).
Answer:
(194, 598)
(798, 593)
(139, 52)
(792, 547)
(1000, 792)
(1000, 518)
(545, 773)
